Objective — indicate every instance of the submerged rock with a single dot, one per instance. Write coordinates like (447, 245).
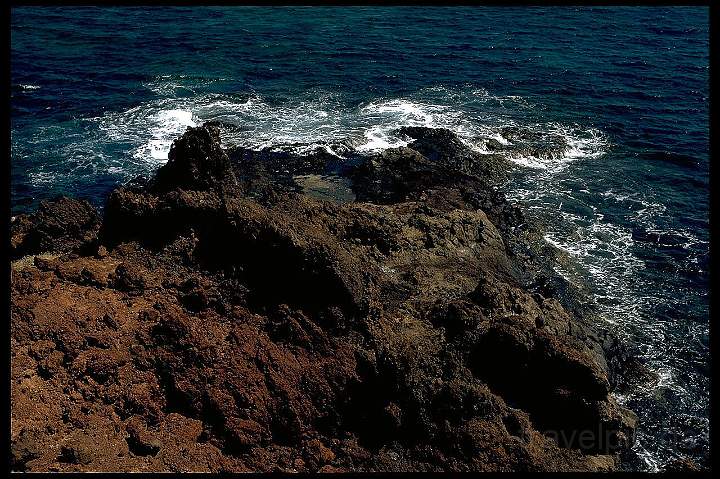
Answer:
(233, 324)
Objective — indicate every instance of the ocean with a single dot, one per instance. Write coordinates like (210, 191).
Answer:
(603, 112)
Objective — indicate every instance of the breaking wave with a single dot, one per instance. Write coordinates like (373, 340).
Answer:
(137, 140)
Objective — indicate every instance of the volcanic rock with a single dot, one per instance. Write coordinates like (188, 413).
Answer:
(225, 328)
(64, 224)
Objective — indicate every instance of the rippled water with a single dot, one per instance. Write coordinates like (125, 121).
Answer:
(603, 110)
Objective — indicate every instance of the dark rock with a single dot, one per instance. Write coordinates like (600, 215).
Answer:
(128, 278)
(64, 224)
(140, 441)
(563, 388)
(196, 162)
(403, 174)
(45, 264)
(27, 446)
(444, 147)
(246, 327)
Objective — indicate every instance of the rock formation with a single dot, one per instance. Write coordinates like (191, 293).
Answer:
(221, 320)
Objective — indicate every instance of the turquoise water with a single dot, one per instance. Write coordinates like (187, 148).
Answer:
(608, 108)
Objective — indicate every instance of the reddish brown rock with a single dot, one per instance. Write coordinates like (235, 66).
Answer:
(219, 330)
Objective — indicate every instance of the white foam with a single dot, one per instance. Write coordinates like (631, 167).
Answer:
(500, 139)
(328, 149)
(606, 261)
(379, 139)
(310, 121)
(170, 85)
(41, 178)
(581, 143)
(405, 111)
(315, 119)
(530, 162)
(167, 125)
(646, 456)
(170, 118)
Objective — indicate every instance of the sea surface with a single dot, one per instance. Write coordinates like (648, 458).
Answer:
(604, 113)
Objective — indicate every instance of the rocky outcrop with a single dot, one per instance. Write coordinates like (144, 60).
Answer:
(196, 161)
(224, 322)
(443, 147)
(404, 174)
(65, 224)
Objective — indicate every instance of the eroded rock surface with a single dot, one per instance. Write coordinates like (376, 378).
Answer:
(221, 321)
(65, 225)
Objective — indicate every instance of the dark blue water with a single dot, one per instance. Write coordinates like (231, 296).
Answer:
(619, 94)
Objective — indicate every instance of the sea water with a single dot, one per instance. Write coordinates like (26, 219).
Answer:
(603, 111)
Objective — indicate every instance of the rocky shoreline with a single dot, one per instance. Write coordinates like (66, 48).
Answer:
(262, 311)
